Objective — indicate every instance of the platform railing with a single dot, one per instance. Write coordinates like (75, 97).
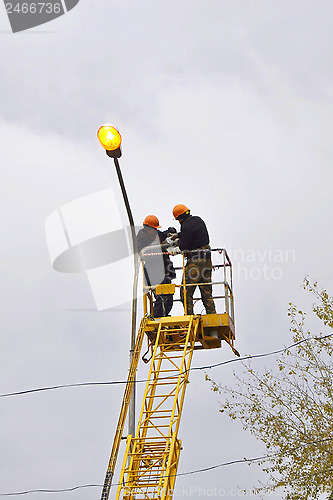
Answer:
(149, 291)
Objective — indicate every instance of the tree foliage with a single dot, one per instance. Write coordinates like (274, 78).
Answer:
(290, 407)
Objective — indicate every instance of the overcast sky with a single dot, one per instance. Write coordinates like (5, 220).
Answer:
(224, 106)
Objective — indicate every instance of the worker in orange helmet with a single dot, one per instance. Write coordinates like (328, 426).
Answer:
(194, 242)
(158, 269)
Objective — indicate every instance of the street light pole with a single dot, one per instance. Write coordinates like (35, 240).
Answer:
(110, 139)
(131, 408)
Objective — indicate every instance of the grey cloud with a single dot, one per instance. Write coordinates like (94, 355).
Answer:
(112, 74)
(249, 82)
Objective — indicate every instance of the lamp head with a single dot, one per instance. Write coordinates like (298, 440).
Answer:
(110, 139)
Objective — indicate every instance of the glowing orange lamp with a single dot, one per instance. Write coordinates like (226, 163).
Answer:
(110, 139)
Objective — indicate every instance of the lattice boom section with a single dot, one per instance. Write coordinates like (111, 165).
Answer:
(151, 458)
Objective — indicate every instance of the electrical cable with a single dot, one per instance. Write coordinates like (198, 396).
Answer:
(205, 367)
(51, 491)
(196, 471)
(63, 386)
(254, 356)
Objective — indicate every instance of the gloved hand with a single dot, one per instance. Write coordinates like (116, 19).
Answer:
(174, 250)
(171, 230)
(171, 241)
(173, 236)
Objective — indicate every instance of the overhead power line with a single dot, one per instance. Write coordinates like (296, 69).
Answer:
(60, 490)
(121, 382)
(196, 471)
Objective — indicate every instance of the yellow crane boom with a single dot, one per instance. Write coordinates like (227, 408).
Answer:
(123, 412)
(151, 456)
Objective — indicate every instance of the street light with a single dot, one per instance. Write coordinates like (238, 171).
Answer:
(110, 139)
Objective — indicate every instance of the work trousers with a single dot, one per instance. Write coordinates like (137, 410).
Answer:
(163, 303)
(198, 271)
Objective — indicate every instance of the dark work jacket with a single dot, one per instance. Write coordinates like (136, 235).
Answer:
(193, 234)
(157, 267)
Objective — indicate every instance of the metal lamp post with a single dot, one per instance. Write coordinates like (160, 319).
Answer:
(110, 139)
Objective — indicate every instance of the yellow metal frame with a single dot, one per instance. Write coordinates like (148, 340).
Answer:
(151, 458)
(149, 291)
(165, 288)
(123, 411)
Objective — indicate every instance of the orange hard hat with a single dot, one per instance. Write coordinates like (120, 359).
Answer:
(179, 210)
(152, 221)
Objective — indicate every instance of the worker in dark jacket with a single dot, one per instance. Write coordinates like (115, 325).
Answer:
(193, 235)
(158, 269)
